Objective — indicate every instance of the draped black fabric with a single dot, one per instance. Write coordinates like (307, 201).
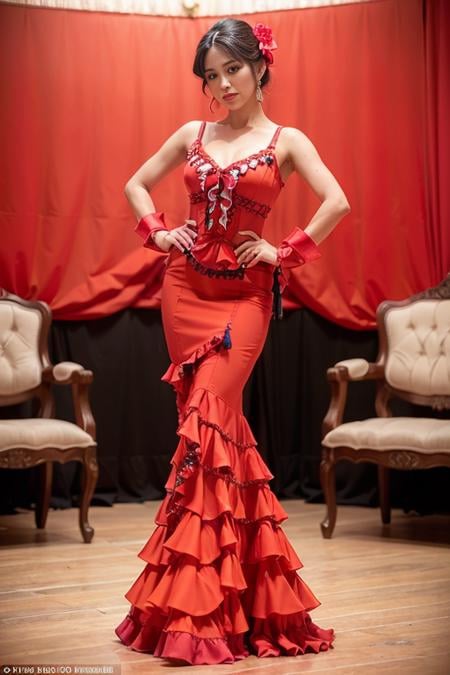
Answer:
(285, 401)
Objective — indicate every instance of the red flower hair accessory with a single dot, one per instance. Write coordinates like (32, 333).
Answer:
(266, 42)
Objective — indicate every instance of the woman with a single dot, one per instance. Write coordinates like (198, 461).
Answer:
(220, 580)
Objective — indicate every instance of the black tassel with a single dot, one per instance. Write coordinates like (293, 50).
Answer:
(227, 338)
(277, 306)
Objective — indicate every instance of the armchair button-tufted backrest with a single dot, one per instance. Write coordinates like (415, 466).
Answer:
(20, 361)
(418, 347)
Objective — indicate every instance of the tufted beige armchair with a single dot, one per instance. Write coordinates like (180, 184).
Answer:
(414, 364)
(26, 373)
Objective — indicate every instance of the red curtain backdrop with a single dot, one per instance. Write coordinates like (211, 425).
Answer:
(87, 97)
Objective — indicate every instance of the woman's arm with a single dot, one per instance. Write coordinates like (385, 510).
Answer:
(137, 190)
(305, 160)
(300, 245)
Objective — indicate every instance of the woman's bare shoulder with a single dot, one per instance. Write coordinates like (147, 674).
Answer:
(188, 131)
(296, 143)
(293, 134)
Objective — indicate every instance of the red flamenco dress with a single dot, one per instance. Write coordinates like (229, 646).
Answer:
(220, 579)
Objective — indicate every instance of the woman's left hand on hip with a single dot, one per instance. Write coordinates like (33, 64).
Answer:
(255, 250)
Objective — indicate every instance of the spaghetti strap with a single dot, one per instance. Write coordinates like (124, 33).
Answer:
(201, 130)
(275, 137)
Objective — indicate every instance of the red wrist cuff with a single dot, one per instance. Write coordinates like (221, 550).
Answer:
(296, 249)
(148, 225)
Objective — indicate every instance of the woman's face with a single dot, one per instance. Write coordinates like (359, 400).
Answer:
(232, 82)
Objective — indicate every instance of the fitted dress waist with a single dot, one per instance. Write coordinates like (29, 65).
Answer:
(254, 281)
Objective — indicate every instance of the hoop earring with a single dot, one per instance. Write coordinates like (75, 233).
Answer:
(259, 94)
(212, 100)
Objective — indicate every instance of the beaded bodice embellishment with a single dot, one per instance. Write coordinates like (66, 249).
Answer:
(217, 183)
(227, 210)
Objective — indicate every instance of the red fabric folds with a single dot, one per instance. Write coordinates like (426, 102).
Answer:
(201, 651)
(179, 375)
(214, 252)
(67, 230)
(280, 635)
(142, 632)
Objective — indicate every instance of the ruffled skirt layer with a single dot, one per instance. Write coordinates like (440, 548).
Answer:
(220, 579)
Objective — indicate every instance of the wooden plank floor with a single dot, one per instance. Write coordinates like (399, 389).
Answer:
(385, 590)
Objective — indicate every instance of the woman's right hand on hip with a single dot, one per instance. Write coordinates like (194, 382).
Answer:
(182, 237)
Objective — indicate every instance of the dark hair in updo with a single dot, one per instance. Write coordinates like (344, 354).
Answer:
(237, 38)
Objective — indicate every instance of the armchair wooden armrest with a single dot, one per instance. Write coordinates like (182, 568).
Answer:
(67, 372)
(354, 370)
(343, 372)
(74, 374)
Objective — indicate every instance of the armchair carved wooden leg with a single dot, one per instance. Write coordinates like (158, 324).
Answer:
(89, 478)
(44, 491)
(383, 489)
(328, 482)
